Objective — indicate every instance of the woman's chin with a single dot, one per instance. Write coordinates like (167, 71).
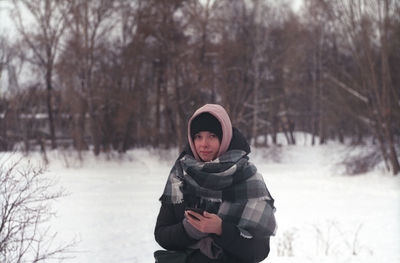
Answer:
(206, 158)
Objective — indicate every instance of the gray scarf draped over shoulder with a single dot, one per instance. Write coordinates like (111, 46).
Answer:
(230, 180)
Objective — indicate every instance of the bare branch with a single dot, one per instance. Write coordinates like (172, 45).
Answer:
(347, 88)
(25, 198)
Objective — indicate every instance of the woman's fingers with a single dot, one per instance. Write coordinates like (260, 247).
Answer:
(207, 223)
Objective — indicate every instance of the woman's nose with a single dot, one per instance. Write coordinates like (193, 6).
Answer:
(204, 142)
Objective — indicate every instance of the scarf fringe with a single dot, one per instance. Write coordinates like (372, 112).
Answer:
(262, 198)
(246, 236)
(167, 200)
(215, 200)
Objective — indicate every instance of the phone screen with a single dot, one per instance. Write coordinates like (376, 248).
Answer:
(197, 210)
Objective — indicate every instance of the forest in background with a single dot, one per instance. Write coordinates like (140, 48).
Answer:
(114, 75)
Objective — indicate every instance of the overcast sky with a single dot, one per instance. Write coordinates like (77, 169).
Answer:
(7, 27)
(6, 24)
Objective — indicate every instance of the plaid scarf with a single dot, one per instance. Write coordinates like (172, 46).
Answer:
(233, 182)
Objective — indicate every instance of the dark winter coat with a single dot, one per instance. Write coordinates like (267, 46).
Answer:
(171, 235)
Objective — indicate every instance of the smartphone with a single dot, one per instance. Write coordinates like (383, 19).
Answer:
(197, 210)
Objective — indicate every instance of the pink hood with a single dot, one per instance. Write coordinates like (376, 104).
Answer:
(222, 116)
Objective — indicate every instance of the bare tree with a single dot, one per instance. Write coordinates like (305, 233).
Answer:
(11, 65)
(5, 58)
(5, 55)
(43, 39)
(25, 209)
(367, 28)
(234, 83)
(258, 70)
(89, 25)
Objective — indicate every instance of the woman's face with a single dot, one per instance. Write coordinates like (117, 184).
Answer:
(207, 145)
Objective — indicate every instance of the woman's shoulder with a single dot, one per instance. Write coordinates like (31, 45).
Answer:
(238, 141)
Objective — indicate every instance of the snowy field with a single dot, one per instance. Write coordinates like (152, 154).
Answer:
(323, 216)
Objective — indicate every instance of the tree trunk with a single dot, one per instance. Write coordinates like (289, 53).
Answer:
(314, 117)
(168, 119)
(157, 128)
(78, 122)
(321, 111)
(128, 132)
(392, 152)
(275, 129)
(387, 86)
(50, 108)
(179, 113)
(255, 110)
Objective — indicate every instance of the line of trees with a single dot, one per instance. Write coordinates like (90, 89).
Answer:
(113, 75)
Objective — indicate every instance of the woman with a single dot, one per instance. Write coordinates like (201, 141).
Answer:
(215, 204)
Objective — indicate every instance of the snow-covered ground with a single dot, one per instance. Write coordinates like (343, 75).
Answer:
(323, 215)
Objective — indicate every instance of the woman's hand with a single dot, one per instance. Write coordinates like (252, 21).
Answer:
(207, 223)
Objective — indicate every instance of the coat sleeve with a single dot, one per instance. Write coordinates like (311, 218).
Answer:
(255, 249)
(169, 231)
